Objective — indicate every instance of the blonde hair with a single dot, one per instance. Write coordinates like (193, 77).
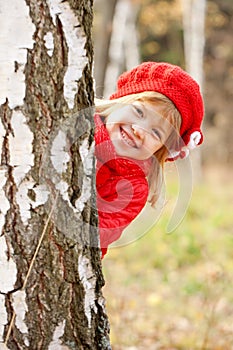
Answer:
(169, 112)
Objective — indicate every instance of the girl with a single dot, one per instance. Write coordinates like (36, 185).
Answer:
(154, 116)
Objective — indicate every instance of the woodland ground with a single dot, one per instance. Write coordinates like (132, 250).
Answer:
(175, 291)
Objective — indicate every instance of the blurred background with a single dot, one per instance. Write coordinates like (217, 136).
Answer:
(174, 291)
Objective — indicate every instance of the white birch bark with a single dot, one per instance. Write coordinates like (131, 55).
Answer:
(50, 272)
(194, 36)
(131, 42)
(123, 51)
(194, 41)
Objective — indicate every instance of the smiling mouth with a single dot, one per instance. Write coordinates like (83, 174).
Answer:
(127, 138)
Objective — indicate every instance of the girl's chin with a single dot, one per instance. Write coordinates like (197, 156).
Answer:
(124, 151)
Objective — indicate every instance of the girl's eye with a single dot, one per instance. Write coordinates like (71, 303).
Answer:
(156, 133)
(139, 111)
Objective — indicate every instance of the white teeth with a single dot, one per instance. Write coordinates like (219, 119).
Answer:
(127, 139)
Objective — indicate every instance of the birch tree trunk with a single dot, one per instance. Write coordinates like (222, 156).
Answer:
(123, 50)
(50, 270)
(104, 10)
(194, 41)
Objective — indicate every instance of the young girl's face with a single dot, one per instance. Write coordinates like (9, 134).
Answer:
(138, 130)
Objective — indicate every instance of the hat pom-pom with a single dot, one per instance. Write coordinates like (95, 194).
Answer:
(194, 141)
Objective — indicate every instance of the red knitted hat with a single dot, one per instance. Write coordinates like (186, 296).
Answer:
(178, 86)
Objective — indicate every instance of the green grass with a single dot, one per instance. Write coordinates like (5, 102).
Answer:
(175, 291)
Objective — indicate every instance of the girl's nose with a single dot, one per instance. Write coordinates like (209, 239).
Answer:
(139, 131)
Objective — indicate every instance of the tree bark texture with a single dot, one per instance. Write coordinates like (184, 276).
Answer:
(50, 269)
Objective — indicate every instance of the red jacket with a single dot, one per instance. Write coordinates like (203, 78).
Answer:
(122, 187)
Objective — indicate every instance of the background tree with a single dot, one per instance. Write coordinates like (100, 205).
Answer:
(104, 10)
(194, 41)
(116, 42)
(50, 271)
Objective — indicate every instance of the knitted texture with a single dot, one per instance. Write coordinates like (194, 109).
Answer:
(173, 82)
